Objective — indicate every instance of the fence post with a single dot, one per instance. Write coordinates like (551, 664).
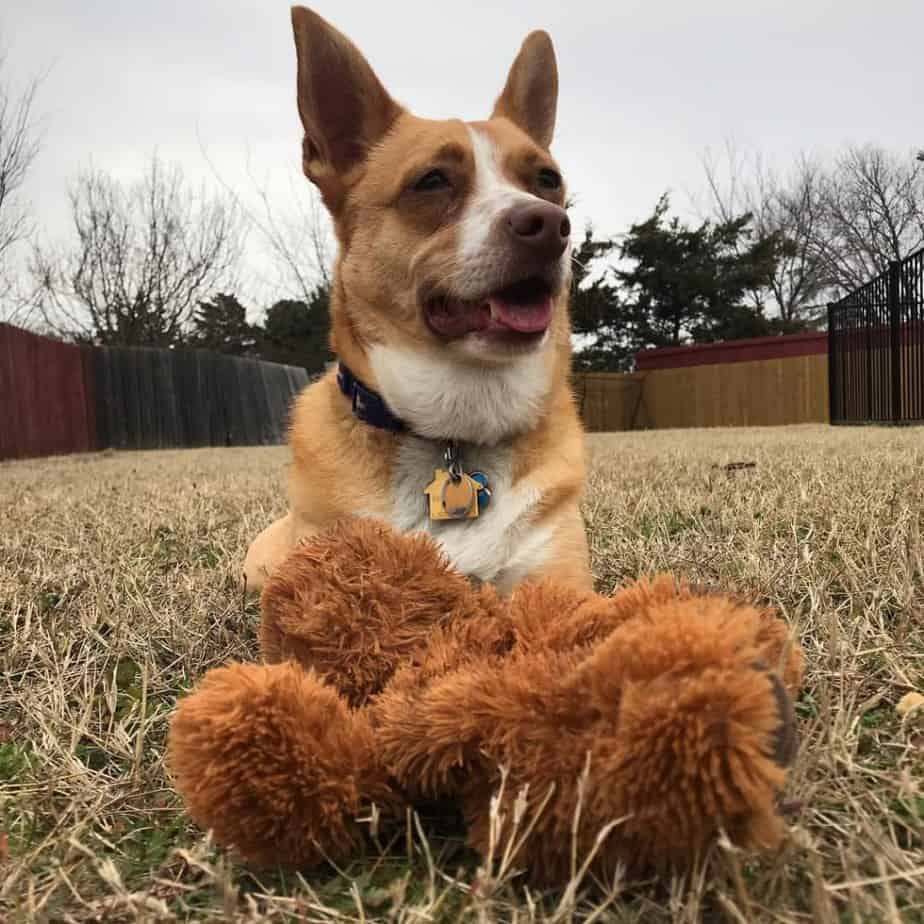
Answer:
(895, 325)
(833, 415)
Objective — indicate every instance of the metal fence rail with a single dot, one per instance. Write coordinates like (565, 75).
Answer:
(876, 348)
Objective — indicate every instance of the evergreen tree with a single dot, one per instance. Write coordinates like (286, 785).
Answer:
(297, 333)
(221, 324)
(691, 284)
(596, 309)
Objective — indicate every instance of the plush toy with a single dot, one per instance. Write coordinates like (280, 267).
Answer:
(389, 679)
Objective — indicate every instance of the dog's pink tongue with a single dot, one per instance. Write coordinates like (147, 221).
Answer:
(530, 316)
(455, 319)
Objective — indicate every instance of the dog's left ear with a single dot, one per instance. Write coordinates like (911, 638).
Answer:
(530, 96)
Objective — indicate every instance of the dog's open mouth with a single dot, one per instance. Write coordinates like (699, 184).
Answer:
(523, 309)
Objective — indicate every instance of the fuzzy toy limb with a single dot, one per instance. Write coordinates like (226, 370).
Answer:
(779, 652)
(705, 729)
(355, 602)
(275, 764)
(540, 616)
(553, 616)
(681, 729)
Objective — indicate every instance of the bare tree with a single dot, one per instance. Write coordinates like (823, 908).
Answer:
(840, 223)
(19, 146)
(787, 208)
(794, 208)
(298, 235)
(873, 212)
(144, 254)
(300, 239)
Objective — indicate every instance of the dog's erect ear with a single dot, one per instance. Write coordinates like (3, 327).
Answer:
(343, 106)
(530, 96)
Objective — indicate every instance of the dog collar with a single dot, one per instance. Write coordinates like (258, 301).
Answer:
(453, 494)
(368, 406)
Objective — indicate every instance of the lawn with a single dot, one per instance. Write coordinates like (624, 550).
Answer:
(119, 588)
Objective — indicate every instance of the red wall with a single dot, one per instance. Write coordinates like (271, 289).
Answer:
(46, 401)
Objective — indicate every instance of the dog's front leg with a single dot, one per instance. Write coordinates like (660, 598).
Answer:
(268, 551)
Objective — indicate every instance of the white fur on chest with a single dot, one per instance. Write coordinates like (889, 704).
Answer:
(502, 545)
(440, 398)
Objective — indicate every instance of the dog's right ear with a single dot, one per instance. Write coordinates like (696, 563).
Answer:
(343, 106)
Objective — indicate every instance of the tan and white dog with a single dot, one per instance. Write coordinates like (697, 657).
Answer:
(449, 318)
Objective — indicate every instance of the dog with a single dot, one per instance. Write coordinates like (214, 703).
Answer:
(450, 410)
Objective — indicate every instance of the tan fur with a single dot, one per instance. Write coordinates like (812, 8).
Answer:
(406, 683)
(363, 150)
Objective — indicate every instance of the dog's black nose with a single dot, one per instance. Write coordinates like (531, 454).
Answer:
(543, 227)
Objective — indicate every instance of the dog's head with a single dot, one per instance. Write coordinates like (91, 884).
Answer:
(453, 236)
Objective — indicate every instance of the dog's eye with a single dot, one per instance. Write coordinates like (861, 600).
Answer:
(431, 181)
(549, 179)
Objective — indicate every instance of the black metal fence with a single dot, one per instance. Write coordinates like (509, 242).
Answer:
(876, 348)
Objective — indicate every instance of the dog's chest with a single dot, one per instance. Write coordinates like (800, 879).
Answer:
(502, 545)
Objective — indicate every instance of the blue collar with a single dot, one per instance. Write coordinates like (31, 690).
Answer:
(367, 406)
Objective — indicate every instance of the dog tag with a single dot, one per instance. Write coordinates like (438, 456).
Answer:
(460, 498)
(452, 499)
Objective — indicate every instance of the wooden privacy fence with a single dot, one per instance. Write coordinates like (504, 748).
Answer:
(766, 381)
(148, 399)
(57, 397)
(46, 400)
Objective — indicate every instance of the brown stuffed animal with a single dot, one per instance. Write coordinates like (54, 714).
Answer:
(391, 679)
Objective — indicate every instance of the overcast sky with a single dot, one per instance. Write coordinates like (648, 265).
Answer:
(646, 87)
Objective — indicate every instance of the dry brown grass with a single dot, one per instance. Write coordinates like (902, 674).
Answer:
(118, 589)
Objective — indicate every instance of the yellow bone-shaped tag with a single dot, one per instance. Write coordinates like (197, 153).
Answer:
(452, 500)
